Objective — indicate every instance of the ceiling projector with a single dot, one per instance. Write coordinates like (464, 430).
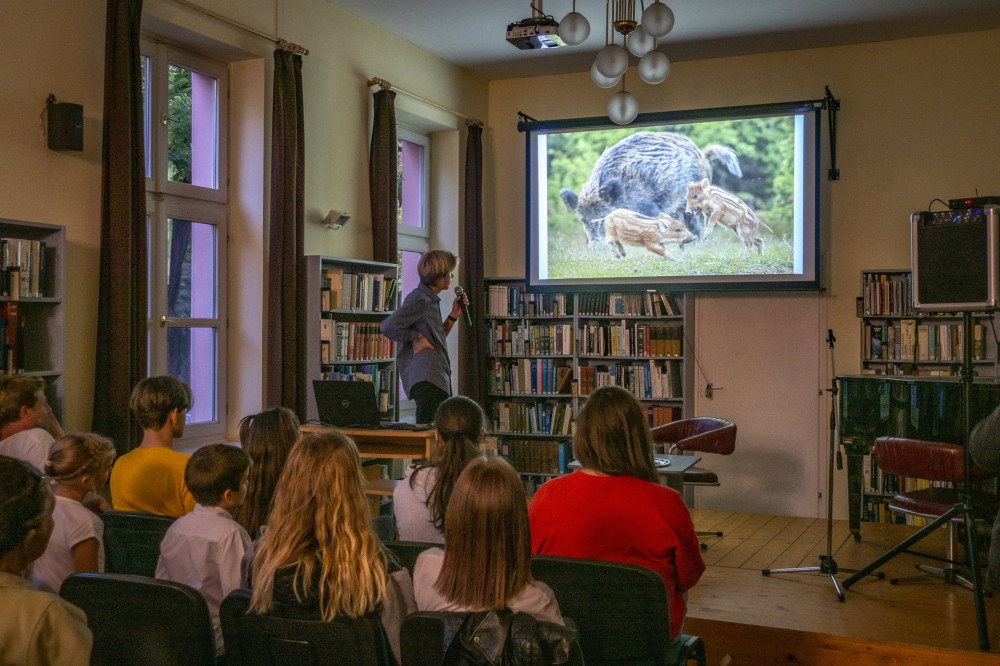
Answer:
(535, 33)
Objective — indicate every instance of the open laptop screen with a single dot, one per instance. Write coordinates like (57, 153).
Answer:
(345, 404)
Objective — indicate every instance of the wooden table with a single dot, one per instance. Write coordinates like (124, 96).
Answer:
(385, 443)
(671, 475)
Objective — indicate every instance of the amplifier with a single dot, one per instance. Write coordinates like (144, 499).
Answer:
(954, 257)
(972, 202)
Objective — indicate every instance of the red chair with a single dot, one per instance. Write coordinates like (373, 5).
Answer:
(940, 462)
(702, 434)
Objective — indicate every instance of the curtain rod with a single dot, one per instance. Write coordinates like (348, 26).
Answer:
(281, 43)
(385, 85)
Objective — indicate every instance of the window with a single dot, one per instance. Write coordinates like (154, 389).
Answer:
(185, 114)
(413, 230)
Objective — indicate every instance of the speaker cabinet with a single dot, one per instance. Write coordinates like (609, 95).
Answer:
(954, 256)
(65, 126)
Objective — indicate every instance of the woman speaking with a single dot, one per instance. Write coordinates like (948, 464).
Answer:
(422, 359)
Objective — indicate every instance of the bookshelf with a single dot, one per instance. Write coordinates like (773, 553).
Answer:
(346, 300)
(32, 313)
(895, 340)
(547, 351)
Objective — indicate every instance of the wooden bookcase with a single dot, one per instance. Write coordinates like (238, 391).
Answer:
(342, 337)
(896, 340)
(38, 345)
(548, 350)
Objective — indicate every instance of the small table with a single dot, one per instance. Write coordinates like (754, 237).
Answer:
(671, 475)
(385, 442)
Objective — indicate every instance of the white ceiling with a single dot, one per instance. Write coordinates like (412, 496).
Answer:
(472, 33)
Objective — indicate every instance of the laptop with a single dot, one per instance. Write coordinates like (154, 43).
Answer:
(344, 404)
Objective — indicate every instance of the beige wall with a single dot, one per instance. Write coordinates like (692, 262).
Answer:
(919, 121)
(58, 47)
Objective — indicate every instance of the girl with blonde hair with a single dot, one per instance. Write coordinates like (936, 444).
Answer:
(486, 561)
(614, 508)
(319, 557)
(267, 438)
(78, 464)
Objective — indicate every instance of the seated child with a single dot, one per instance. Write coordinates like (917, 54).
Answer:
(486, 561)
(78, 465)
(150, 478)
(204, 549)
(35, 627)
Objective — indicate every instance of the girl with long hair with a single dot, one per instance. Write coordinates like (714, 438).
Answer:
(614, 508)
(486, 561)
(319, 557)
(267, 438)
(78, 464)
(35, 627)
(420, 503)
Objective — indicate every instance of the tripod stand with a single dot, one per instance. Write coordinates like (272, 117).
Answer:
(827, 565)
(964, 508)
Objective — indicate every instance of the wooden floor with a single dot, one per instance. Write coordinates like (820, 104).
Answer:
(795, 618)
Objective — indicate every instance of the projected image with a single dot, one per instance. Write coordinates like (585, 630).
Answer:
(728, 201)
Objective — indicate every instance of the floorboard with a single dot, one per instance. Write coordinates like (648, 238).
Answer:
(795, 618)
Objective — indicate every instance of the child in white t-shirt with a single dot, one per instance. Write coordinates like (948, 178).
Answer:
(205, 548)
(78, 464)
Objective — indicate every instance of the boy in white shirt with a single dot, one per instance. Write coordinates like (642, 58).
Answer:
(204, 549)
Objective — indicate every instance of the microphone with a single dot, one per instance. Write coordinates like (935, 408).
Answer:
(464, 300)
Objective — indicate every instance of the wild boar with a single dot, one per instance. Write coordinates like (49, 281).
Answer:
(727, 209)
(623, 227)
(648, 173)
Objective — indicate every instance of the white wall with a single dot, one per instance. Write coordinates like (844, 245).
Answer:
(918, 121)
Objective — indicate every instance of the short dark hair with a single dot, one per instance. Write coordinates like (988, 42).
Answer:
(18, 391)
(23, 493)
(213, 470)
(154, 398)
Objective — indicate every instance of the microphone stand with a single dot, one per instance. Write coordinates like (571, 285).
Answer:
(827, 565)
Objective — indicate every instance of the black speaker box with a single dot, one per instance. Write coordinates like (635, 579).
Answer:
(65, 126)
(954, 256)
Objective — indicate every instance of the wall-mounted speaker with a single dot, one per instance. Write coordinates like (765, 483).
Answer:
(65, 126)
(954, 257)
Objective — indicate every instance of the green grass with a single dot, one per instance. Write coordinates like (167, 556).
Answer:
(720, 254)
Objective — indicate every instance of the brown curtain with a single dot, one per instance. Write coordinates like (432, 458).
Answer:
(286, 290)
(382, 181)
(122, 297)
(473, 379)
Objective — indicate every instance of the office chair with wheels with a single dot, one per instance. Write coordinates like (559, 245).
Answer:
(702, 434)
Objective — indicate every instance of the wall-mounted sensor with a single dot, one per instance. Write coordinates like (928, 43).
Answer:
(335, 219)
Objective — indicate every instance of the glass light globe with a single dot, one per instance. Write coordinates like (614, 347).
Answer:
(639, 42)
(622, 108)
(657, 20)
(654, 67)
(612, 60)
(574, 28)
(601, 80)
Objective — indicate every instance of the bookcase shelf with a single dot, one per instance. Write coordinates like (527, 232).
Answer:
(35, 343)
(346, 299)
(598, 338)
(896, 340)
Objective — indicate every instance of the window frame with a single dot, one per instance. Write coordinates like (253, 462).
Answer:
(167, 200)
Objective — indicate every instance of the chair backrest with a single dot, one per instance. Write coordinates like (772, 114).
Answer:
(923, 459)
(425, 636)
(407, 552)
(143, 621)
(620, 610)
(253, 639)
(132, 541)
(707, 434)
